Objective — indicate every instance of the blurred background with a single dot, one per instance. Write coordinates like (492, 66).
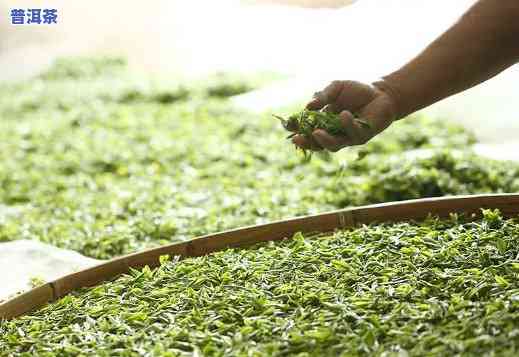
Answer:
(311, 41)
(304, 38)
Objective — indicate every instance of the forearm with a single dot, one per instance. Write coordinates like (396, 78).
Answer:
(484, 42)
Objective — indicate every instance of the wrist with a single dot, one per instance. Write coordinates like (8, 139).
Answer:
(393, 97)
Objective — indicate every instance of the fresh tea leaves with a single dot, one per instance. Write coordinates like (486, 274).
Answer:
(440, 287)
(105, 162)
(307, 121)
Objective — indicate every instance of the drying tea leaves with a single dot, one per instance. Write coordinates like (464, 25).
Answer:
(223, 84)
(436, 288)
(429, 173)
(107, 177)
(84, 67)
(105, 162)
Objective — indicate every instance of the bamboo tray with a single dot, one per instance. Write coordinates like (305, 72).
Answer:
(325, 222)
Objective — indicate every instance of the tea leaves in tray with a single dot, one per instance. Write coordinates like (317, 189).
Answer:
(438, 288)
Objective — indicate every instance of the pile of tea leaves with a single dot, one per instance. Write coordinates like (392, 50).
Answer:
(101, 160)
(307, 121)
(440, 287)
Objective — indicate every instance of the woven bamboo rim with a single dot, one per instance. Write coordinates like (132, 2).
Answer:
(325, 222)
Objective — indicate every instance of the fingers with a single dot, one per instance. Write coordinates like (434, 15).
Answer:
(306, 143)
(326, 96)
(321, 139)
(357, 135)
(342, 95)
(377, 113)
(353, 96)
(331, 108)
(330, 142)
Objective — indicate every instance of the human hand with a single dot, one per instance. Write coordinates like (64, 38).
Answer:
(349, 98)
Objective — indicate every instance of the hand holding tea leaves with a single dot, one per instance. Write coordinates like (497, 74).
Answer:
(363, 112)
(306, 122)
